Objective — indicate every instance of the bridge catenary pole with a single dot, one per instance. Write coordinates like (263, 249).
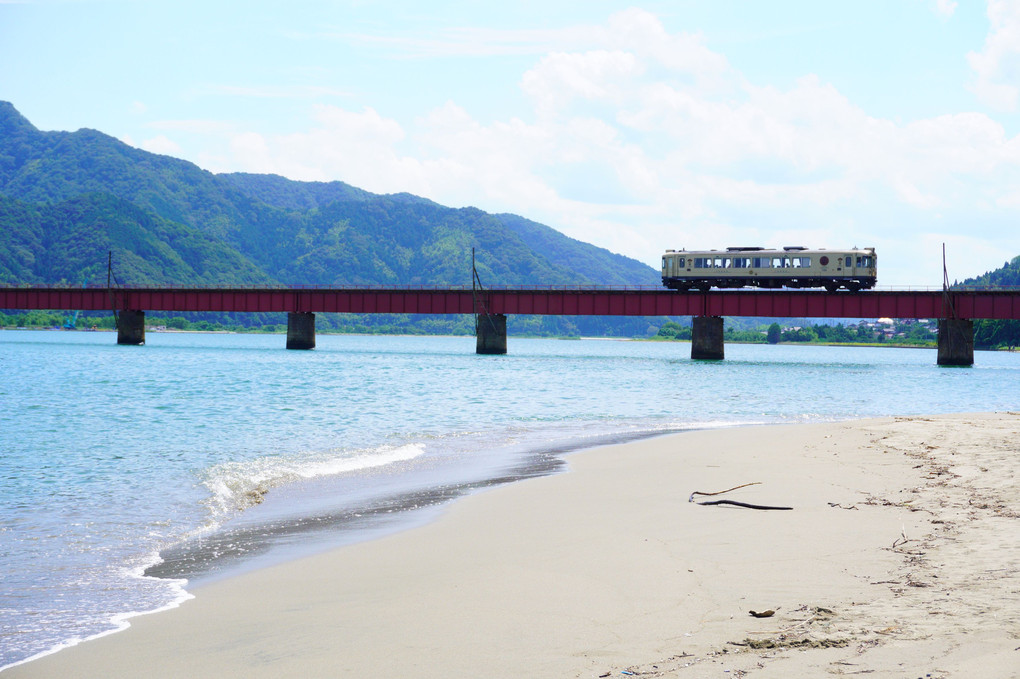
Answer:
(955, 335)
(490, 328)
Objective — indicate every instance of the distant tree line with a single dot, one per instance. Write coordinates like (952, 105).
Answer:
(987, 334)
(900, 333)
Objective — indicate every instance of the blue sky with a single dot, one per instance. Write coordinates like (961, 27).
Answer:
(681, 124)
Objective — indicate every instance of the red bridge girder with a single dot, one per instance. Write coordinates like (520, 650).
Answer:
(969, 304)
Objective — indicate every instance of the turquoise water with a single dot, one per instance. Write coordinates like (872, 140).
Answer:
(224, 452)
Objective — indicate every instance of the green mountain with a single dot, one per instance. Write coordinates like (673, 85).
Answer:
(68, 198)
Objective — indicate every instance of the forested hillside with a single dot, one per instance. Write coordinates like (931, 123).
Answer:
(67, 243)
(997, 334)
(69, 198)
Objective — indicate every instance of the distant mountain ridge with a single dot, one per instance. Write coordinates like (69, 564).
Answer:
(67, 198)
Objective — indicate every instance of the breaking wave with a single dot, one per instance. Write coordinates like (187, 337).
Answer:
(235, 486)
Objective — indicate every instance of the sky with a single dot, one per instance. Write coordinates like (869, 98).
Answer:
(680, 124)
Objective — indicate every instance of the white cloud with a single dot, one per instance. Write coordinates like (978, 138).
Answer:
(563, 78)
(341, 145)
(997, 66)
(945, 8)
(162, 145)
(643, 33)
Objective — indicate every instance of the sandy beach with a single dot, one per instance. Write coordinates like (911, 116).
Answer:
(899, 558)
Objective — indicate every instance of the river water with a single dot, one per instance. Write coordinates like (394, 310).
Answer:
(126, 472)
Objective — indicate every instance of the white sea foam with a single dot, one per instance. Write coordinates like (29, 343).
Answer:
(235, 486)
(120, 621)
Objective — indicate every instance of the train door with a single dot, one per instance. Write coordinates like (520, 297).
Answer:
(668, 266)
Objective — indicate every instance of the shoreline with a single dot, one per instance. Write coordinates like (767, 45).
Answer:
(896, 560)
(870, 345)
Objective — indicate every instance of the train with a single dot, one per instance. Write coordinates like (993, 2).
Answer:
(791, 267)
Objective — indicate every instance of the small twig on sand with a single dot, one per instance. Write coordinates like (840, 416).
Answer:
(799, 624)
(720, 492)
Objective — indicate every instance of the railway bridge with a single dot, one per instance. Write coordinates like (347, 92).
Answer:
(955, 309)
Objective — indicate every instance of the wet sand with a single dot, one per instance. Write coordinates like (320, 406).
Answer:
(900, 558)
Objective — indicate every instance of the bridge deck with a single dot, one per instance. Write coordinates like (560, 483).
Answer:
(968, 304)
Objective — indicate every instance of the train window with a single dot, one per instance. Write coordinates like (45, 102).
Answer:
(781, 262)
(702, 263)
(718, 263)
(849, 261)
(801, 262)
(864, 261)
(741, 262)
(681, 263)
(762, 262)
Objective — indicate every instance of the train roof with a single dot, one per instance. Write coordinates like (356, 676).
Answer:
(786, 249)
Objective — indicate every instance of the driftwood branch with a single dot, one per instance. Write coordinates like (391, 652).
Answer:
(739, 504)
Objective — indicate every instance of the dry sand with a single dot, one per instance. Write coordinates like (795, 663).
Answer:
(900, 558)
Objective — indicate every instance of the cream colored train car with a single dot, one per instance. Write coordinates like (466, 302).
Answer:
(791, 267)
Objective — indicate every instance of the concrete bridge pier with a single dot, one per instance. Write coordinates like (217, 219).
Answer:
(490, 331)
(707, 338)
(956, 342)
(131, 327)
(300, 330)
